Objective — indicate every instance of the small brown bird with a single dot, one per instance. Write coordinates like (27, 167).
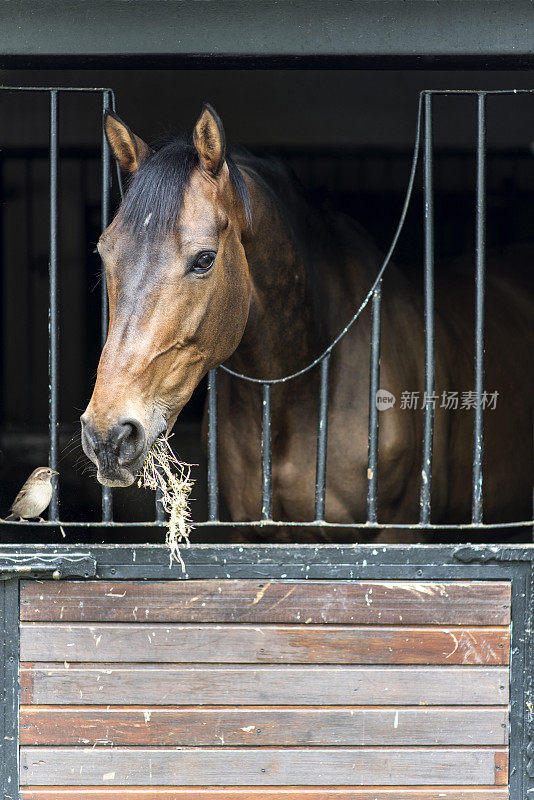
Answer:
(34, 496)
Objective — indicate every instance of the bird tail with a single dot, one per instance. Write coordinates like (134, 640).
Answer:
(10, 517)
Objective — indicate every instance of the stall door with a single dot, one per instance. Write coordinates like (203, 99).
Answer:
(219, 689)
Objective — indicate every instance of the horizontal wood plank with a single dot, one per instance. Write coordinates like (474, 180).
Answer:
(289, 766)
(274, 793)
(315, 602)
(268, 644)
(213, 726)
(179, 685)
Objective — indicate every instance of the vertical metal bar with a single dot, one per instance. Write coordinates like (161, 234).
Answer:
(117, 166)
(160, 511)
(266, 473)
(374, 383)
(53, 309)
(2, 273)
(107, 497)
(9, 689)
(478, 425)
(30, 295)
(428, 425)
(322, 440)
(213, 448)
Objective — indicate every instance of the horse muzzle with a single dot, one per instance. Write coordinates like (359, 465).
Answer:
(117, 452)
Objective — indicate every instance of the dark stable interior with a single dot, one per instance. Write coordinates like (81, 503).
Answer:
(347, 134)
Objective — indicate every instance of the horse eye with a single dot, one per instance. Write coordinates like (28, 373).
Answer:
(203, 262)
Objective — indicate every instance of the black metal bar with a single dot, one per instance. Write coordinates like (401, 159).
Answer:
(480, 278)
(266, 473)
(213, 448)
(117, 165)
(121, 527)
(9, 689)
(53, 308)
(2, 256)
(374, 383)
(160, 511)
(107, 497)
(322, 441)
(428, 425)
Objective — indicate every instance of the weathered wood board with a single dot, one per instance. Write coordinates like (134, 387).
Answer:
(265, 793)
(226, 690)
(268, 644)
(315, 602)
(215, 726)
(162, 684)
(215, 766)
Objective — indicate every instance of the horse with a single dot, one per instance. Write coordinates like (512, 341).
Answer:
(220, 257)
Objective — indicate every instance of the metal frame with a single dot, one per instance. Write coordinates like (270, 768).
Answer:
(303, 562)
(237, 33)
(9, 688)
(414, 562)
(424, 133)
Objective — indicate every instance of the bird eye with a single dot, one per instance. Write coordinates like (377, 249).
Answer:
(203, 262)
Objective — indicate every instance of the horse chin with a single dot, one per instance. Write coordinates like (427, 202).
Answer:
(117, 477)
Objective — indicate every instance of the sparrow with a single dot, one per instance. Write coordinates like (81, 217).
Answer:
(34, 497)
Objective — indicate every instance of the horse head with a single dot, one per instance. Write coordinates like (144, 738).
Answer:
(178, 286)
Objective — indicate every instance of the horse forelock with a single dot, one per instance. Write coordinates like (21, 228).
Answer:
(155, 192)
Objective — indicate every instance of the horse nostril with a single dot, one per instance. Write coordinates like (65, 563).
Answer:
(130, 441)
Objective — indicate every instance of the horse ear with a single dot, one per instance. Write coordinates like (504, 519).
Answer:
(209, 140)
(128, 149)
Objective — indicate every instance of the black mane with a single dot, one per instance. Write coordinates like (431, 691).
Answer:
(155, 192)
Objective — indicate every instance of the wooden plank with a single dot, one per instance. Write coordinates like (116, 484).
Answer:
(181, 685)
(264, 766)
(245, 644)
(275, 793)
(214, 726)
(501, 768)
(319, 602)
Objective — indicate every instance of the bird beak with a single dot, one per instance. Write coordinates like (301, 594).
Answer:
(55, 472)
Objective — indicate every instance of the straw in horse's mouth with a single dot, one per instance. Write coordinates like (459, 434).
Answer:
(162, 470)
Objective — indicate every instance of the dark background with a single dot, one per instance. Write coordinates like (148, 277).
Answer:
(348, 134)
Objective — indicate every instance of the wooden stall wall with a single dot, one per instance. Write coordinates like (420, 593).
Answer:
(235, 689)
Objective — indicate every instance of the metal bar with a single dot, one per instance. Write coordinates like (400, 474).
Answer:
(9, 689)
(266, 473)
(2, 326)
(107, 89)
(374, 383)
(117, 165)
(521, 666)
(107, 497)
(54, 89)
(53, 308)
(428, 425)
(322, 441)
(400, 526)
(213, 448)
(480, 278)
(160, 511)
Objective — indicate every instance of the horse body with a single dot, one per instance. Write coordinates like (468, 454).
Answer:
(300, 300)
(276, 292)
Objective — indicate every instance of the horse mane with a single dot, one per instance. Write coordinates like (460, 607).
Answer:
(300, 212)
(155, 192)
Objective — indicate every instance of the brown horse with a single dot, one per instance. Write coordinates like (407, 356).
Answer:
(211, 260)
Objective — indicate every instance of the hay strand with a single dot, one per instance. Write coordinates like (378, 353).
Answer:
(162, 470)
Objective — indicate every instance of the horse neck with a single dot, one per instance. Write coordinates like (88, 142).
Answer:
(286, 327)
